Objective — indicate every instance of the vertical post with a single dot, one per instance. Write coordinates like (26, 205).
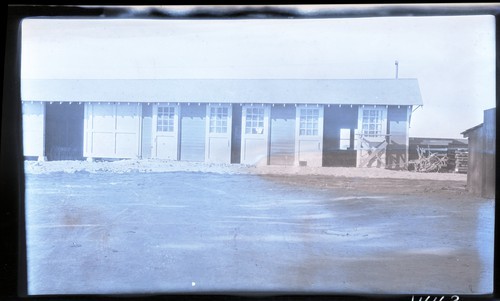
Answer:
(43, 155)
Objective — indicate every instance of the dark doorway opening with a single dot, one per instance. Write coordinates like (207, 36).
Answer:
(338, 148)
(236, 135)
(64, 131)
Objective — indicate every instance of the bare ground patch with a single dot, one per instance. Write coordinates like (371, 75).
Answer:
(374, 185)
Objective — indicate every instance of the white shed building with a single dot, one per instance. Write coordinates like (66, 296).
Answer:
(315, 122)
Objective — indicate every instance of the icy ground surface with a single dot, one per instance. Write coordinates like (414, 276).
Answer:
(137, 232)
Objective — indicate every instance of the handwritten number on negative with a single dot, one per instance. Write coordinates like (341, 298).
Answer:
(429, 298)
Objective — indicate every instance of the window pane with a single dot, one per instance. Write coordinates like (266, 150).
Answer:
(372, 122)
(254, 121)
(218, 119)
(309, 120)
(165, 119)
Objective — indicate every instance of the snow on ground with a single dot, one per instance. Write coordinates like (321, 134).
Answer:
(155, 165)
(132, 165)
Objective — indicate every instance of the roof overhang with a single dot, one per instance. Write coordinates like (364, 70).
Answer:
(468, 131)
(267, 91)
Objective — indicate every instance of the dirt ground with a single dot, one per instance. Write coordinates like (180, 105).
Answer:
(365, 180)
(433, 188)
(136, 226)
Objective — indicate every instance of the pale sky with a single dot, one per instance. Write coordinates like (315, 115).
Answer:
(453, 58)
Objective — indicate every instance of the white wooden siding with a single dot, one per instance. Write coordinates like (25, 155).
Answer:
(33, 117)
(192, 132)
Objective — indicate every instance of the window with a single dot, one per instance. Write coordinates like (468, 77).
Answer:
(345, 139)
(254, 121)
(309, 119)
(218, 120)
(165, 122)
(372, 123)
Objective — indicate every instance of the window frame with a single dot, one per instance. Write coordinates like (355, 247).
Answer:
(168, 122)
(255, 120)
(216, 123)
(311, 122)
(213, 121)
(380, 130)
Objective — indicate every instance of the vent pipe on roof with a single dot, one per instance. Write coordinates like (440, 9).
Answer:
(397, 67)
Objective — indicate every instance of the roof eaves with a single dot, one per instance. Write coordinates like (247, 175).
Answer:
(466, 132)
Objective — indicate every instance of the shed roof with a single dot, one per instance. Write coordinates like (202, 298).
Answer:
(436, 141)
(472, 129)
(316, 91)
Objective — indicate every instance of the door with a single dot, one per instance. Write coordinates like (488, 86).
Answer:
(166, 131)
(255, 135)
(309, 136)
(64, 131)
(282, 135)
(236, 135)
(372, 137)
(112, 130)
(192, 132)
(218, 134)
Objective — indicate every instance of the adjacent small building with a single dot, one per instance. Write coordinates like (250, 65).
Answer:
(455, 150)
(482, 156)
(313, 122)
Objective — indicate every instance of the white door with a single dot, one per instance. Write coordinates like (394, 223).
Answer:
(255, 135)
(372, 137)
(218, 134)
(166, 131)
(309, 135)
(112, 130)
